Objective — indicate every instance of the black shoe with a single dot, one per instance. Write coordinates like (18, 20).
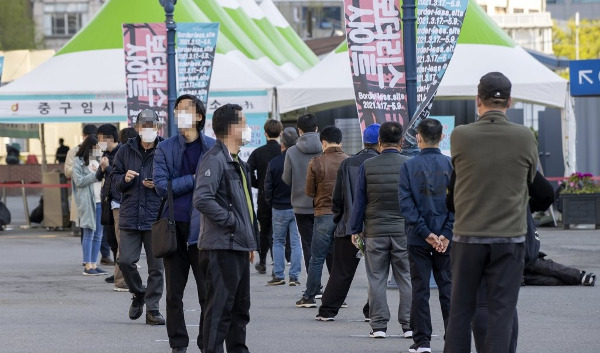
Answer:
(306, 302)
(153, 317)
(261, 268)
(137, 306)
(110, 279)
(179, 350)
(276, 281)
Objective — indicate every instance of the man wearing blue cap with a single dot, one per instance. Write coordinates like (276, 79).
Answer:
(345, 261)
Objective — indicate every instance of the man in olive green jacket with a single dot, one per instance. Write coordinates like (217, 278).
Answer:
(494, 161)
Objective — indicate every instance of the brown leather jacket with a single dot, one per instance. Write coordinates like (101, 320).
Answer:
(320, 179)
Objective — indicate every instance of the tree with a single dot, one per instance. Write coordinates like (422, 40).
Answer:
(563, 40)
(17, 29)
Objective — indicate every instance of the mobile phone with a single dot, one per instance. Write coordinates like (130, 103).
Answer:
(148, 179)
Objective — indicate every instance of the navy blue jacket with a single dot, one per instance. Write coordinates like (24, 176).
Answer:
(167, 166)
(277, 193)
(139, 204)
(343, 191)
(422, 187)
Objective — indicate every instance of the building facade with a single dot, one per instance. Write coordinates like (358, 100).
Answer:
(56, 21)
(566, 9)
(526, 21)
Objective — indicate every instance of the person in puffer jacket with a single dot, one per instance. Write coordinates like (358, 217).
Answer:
(176, 160)
(132, 176)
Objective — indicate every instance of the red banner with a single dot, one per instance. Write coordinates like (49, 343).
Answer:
(145, 46)
(377, 60)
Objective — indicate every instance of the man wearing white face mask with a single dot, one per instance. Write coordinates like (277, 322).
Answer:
(176, 161)
(132, 176)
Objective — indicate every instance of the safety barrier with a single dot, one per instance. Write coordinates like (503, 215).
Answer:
(21, 184)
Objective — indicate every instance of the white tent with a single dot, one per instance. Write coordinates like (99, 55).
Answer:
(329, 83)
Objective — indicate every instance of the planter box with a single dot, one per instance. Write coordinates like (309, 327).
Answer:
(580, 209)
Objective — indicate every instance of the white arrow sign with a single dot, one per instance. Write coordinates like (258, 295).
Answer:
(583, 74)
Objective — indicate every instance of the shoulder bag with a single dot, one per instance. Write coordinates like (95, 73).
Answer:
(164, 234)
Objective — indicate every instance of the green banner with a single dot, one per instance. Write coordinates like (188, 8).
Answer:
(25, 131)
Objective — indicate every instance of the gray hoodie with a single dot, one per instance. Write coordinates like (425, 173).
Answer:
(295, 168)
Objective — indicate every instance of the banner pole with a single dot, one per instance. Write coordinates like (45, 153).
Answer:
(169, 6)
(409, 20)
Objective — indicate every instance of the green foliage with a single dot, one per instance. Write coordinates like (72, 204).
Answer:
(563, 40)
(17, 29)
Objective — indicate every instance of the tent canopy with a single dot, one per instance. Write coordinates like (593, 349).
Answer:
(91, 65)
(482, 47)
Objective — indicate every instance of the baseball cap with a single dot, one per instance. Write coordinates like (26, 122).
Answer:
(494, 85)
(289, 137)
(147, 116)
(371, 134)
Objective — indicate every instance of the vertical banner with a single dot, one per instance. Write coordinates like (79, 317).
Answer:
(447, 127)
(145, 46)
(196, 44)
(1, 67)
(438, 26)
(377, 60)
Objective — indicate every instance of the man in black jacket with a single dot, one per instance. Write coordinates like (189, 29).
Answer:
(228, 235)
(132, 176)
(345, 260)
(258, 161)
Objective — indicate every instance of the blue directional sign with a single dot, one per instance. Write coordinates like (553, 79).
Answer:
(585, 77)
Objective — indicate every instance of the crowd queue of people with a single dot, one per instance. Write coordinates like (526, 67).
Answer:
(466, 220)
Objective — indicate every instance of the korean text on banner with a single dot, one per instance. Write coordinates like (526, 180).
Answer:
(377, 60)
(438, 27)
(145, 46)
(196, 44)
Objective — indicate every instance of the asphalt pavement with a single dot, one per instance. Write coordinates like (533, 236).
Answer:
(47, 305)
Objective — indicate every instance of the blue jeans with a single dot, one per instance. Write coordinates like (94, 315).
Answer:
(321, 244)
(92, 239)
(283, 222)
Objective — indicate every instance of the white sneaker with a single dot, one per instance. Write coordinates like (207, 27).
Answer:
(377, 334)
(120, 289)
(322, 318)
(407, 334)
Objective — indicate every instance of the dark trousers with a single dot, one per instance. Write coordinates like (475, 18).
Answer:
(424, 259)
(111, 237)
(501, 265)
(545, 272)
(105, 247)
(266, 235)
(177, 269)
(227, 305)
(130, 248)
(305, 224)
(479, 324)
(342, 273)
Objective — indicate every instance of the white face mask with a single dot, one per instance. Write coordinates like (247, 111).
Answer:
(184, 120)
(148, 135)
(246, 135)
(103, 145)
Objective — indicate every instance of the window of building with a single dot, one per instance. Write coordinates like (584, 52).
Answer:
(518, 11)
(500, 10)
(64, 19)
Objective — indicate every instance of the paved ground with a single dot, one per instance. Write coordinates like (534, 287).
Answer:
(48, 306)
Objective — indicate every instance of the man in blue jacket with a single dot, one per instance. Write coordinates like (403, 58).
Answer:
(228, 235)
(422, 194)
(132, 176)
(176, 161)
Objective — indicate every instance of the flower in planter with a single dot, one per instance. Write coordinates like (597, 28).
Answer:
(580, 183)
